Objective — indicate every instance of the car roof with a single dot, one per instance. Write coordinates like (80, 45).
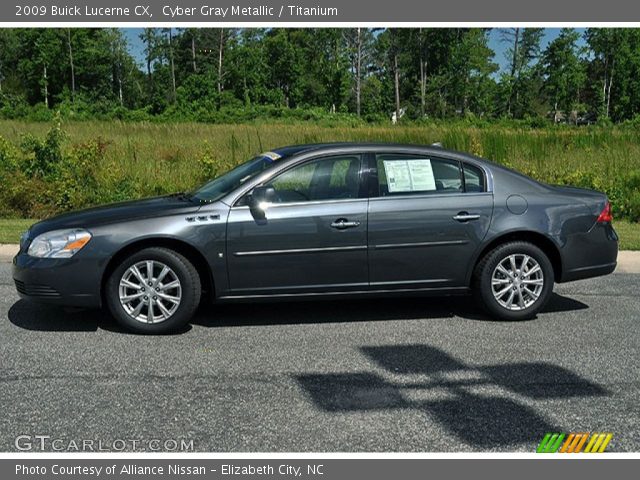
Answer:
(292, 150)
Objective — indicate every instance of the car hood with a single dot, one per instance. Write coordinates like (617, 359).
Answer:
(116, 212)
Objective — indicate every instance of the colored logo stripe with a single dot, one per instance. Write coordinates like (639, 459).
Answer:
(597, 443)
(574, 443)
(550, 443)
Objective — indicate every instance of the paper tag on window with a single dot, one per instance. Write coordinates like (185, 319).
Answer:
(415, 175)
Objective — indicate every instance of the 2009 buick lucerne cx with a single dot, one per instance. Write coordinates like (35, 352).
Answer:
(325, 221)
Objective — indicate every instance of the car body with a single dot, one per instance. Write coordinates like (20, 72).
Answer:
(332, 220)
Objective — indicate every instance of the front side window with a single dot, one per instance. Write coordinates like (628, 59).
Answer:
(411, 174)
(329, 178)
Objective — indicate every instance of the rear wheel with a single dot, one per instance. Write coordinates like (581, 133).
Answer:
(155, 290)
(514, 281)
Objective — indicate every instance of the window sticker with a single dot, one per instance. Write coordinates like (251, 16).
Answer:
(273, 156)
(414, 175)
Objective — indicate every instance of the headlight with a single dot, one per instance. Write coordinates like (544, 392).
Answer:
(59, 243)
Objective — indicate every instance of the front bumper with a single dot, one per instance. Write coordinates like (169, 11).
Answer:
(73, 282)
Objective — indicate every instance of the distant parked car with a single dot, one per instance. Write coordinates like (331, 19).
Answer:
(325, 221)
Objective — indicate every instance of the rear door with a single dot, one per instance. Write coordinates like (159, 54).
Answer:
(314, 236)
(427, 216)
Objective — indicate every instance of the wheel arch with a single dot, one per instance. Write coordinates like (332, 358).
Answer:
(538, 239)
(191, 253)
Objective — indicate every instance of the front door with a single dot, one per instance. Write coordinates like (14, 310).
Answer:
(313, 238)
(427, 220)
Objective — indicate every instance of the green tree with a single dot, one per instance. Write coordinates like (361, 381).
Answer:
(249, 70)
(471, 72)
(614, 72)
(564, 72)
(522, 80)
(359, 44)
(285, 61)
(392, 60)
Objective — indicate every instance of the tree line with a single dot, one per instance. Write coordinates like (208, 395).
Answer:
(217, 74)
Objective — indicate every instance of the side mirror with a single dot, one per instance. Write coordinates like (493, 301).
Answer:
(259, 198)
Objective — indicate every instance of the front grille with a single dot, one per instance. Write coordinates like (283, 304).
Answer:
(34, 290)
(20, 287)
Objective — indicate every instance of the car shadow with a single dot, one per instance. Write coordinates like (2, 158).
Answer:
(52, 318)
(361, 310)
(480, 405)
(328, 311)
(40, 317)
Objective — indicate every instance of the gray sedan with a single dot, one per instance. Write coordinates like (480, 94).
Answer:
(325, 221)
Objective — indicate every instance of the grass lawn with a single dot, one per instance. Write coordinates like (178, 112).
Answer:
(629, 234)
(10, 231)
(139, 159)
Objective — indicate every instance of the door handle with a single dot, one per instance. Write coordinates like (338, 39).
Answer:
(465, 217)
(343, 223)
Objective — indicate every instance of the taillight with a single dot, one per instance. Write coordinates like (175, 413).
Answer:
(605, 215)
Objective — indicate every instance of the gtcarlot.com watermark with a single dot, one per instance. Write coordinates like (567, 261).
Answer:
(47, 443)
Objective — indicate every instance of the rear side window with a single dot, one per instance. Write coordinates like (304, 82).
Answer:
(473, 178)
(410, 174)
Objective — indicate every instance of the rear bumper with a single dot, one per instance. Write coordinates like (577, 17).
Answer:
(69, 282)
(589, 272)
(591, 254)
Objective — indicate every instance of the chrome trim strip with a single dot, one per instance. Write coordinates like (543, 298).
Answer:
(590, 267)
(306, 288)
(414, 196)
(412, 282)
(299, 250)
(352, 292)
(420, 244)
(304, 204)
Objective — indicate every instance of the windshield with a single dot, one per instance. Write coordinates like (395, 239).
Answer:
(221, 186)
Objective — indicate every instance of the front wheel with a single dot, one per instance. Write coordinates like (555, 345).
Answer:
(155, 290)
(514, 281)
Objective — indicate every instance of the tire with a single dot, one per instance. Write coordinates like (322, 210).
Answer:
(531, 290)
(173, 290)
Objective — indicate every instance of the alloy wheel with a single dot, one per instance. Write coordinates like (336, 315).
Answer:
(150, 291)
(517, 282)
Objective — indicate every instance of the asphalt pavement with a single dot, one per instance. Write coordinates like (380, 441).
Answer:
(417, 374)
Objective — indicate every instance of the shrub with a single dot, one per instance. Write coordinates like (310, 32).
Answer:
(43, 155)
(8, 156)
(76, 184)
(208, 164)
(634, 206)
